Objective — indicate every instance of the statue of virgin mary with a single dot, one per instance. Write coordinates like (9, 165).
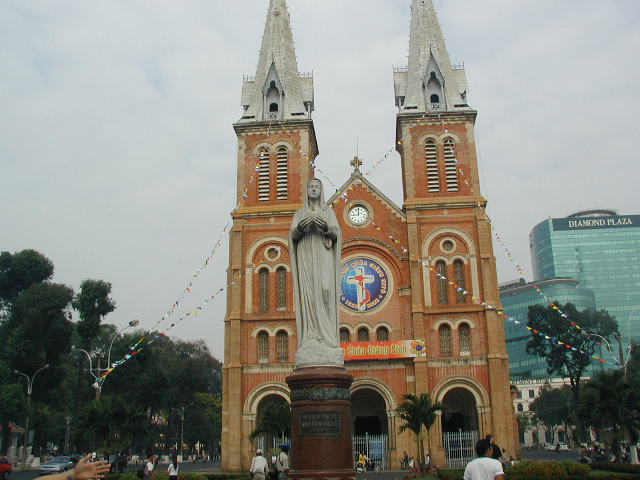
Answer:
(315, 243)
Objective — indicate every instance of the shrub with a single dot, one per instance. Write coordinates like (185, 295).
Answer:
(574, 468)
(616, 467)
(451, 473)
(536, 471)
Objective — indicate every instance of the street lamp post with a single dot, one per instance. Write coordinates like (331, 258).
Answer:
(96, 384)
(67, 421)
(133, 323)
(29, 390)
(181, 412)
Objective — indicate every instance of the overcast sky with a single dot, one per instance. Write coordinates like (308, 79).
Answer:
(117, 152)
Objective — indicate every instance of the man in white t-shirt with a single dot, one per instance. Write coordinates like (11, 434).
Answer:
(484, 467)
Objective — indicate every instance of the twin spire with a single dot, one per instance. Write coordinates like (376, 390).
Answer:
(279, 92)
(430, 83)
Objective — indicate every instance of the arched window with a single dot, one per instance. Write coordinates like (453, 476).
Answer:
(363, 334)
(434, 98)
(450, 165)
(264, 187)
(458, 269)
(282, 346)
(281, 288)
(263, 289)
(431, 156)
(282, 174)
(263, 346)
(445, 340)
(520, 408)
(273, 107)
(382, 334)
(344, 335)
(443, 284)
(464, 337)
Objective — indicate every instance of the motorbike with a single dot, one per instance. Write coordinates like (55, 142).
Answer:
(369, 466)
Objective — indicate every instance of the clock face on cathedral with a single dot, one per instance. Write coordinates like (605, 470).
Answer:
(358, 214)
(363, 284)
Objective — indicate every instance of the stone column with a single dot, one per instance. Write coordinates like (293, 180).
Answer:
(321, 443)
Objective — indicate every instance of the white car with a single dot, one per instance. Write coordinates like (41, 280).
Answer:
(564, 447)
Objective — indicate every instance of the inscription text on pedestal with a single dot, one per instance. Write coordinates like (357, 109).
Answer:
(320, 423)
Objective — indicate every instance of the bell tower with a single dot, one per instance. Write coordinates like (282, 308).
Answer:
(276, 149)
(452, 265)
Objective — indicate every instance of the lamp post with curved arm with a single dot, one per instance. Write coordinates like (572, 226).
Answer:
(133, 323)
(29, 390)
(96, 384)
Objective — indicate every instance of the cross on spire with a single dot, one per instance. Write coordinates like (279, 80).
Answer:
(356, 163)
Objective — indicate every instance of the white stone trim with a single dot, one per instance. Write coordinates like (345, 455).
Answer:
(461, 381)
(259, 328)
(377, 385)
(470, 259)
(264, 389)
(248, 281)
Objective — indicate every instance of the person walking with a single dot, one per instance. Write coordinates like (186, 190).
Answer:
(484, 467)
(173, 468)
(259, 466)
(283, 462)
(496, 450)
(148, 471)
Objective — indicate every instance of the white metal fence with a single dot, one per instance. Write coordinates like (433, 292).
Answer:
(460, 447)
(376, 447)
(268, 443)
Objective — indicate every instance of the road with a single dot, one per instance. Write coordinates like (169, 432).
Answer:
(388, 475)
(184, 467)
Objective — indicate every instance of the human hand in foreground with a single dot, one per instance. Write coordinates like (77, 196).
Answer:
(85, 469)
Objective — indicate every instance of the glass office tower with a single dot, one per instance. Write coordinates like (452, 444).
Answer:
(516, 298)
(601, 250)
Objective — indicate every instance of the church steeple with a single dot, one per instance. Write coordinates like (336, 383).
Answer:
(430, 83)
(278, 91)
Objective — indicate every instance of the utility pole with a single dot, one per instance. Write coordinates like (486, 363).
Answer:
(181, 412)
(29, 390)
(67, 421)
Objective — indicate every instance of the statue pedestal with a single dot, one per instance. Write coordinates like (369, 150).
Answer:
(321, 445)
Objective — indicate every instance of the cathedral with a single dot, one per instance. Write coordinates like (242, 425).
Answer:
(415, 279)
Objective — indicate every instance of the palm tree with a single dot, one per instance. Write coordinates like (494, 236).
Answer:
(417, 412)
(274, 419)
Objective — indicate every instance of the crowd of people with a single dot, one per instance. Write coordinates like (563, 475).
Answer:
(277, 469)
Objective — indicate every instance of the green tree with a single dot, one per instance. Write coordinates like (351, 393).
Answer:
(417, 412)
(562, 360)
(553, 407)
(608, 401)
(92, 303)
(111, 424)
(20, 270)
(524, 421)
(12, 403)
(203, 422)
(41, 330)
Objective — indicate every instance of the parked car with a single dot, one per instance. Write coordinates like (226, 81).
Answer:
(6, 467)
(564, 447)
(57, 465)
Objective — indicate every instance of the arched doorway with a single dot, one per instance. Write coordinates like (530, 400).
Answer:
(273, 422)
(461, 412)
(459, 426)
(368, 412)
(370, 426)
